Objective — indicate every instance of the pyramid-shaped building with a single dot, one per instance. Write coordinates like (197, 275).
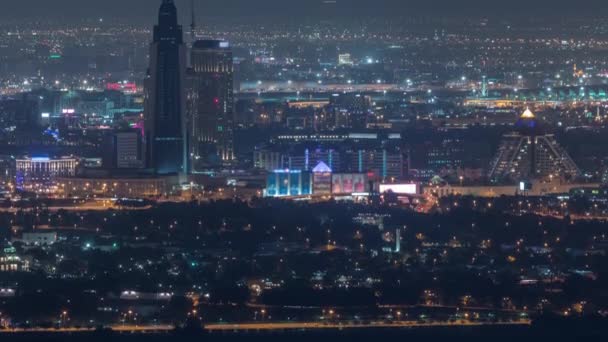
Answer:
(529, 153)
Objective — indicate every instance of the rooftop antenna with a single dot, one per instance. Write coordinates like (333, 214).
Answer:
(193, 23)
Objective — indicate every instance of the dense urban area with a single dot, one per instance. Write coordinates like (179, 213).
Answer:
(229, 176)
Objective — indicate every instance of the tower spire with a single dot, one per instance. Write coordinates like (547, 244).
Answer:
(193, 22)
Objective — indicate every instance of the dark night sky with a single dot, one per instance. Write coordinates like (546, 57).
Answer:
(140, 9)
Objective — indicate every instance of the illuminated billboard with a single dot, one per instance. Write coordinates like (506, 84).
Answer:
(400, 189)
(122, 86)
(348, 183)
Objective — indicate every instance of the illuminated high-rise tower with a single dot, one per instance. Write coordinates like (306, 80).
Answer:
(211, 102)
(165, 124)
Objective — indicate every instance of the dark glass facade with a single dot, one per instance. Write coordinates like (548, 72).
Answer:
(211, 101)
(166, 140)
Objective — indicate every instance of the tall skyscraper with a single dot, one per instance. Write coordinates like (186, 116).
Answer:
(211, 103)
(165, 122)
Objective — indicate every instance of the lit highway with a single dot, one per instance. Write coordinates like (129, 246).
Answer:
(86, 207)
(279, 326)
(116, 328)
(352, 325)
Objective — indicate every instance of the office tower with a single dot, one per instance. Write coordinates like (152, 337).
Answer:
(350, 110)
(268, 160)
(448, 154)
(166, 141)
(123, 150)
(21, 111)
(383, 164)
(529, 153)
(211, 103)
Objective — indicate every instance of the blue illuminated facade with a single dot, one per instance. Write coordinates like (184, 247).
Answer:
(281, 183)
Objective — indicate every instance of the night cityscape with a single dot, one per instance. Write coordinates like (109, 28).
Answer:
(303, 169)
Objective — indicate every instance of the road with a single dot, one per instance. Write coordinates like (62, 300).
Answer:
(117, 328)
(276, 326)
(86, 207)
(350, 325)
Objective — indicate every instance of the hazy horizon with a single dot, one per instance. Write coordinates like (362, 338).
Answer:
(139, 10)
